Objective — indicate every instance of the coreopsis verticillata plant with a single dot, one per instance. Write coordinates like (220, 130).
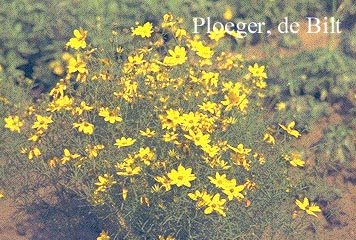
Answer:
(294, 159)
(143, 31)
(178, 56)
(217, 34)
(181, 176)
(164, 137)
(103, 236)
(78, 41)
(124, 142)
(307, 207)
(42, 122)
(13, 123)
(289, 129)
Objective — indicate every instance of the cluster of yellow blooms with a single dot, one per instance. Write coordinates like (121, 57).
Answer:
(213, 202)
(13, 123)
(186, 113)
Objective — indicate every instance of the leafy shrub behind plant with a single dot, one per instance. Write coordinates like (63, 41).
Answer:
(33, 33)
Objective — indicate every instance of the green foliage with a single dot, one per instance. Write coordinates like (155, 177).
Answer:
(305, 110)
(338, 145)
(310, 82)
(33, 33)
(348, 43)
(322, 73)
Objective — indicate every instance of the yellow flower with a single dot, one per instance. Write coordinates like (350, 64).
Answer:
(66, 56)
(83, 107)
(217, 34)
(189, 121)
(232, 190)
(308, 208)
(210, 78)
(85, 127)
(63, 102)
(240, 149)
(180, 33)
(13, 123)
(143, 31)
(35, 152)
(145, 200)
(281, 106)
(124, 193)
(216, 204)
(171, 120)
(68, 156)
(178, 56)
(169, 136)
(205, 52)
(212, 151)
(23, 150)
(260, 157)
(124, 142)
(201, 50)
(79, 39)
(36, 136)
(269, 138)
(129, 171)
(228, 13)
(93, 151)
(260, 83)
(156, 188)
(181, 176)
(221, 163)
(169, 237)
(173, 154)
(1, 195)
(4, 99)
(296, 161)
(105, 182)
(119, 50)
(148, 133)
(208, 106)
(58, 90)
(289, 129)
(146, 155)
(77, 65)
(197, 194)
(235, 98)
(302, 205)
(166, 183)
(240, 160)
(198, 138)
(30, 110)
(257, 71)
(168, 20)
(110, 116)
(219, 181)
(42, 122)
(52, 162)
(103, 236)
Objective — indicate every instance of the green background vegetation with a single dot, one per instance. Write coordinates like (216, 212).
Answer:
(313, 83)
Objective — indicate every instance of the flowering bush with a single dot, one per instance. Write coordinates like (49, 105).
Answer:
(167, 137)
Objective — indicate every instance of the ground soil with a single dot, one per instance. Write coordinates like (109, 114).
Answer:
(16, 225)
(342, 225)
